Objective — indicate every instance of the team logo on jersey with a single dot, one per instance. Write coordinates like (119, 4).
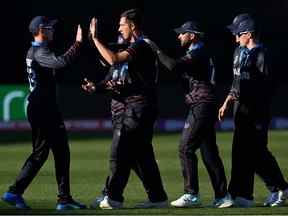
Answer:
(31, 74)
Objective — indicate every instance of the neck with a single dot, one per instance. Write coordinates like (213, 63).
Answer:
(135, 36)
(38, 39)
(193, 44)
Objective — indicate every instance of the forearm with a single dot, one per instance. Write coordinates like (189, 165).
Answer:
(46, 58)
(229, 99)
(168, 62)
(234, 90)
(101, 87)
(107, 54)
(72, 52)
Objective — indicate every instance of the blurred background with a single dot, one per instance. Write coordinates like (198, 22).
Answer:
(87, 117)
(84, 112)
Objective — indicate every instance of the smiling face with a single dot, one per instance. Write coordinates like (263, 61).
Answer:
(185, 38)
(126, 28)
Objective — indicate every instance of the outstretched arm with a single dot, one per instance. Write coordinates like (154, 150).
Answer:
(46, 58)
(111, 57)
(167, 61)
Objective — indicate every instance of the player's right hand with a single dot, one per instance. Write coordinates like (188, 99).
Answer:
(79, 35)
(93, 28)
(88, 86)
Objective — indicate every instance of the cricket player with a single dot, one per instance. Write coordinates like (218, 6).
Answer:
(135, 109)
(251, 95)
(48, 129)
(196, 70)
(110, 86)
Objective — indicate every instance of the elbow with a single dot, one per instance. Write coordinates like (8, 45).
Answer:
(113, 60)
(111, 63)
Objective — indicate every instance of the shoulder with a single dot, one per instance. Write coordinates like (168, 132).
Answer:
(139, 46)
(30, 52)
(42, 51)
(237, 50)
(201, 52)
(261, 52)
(262, 49)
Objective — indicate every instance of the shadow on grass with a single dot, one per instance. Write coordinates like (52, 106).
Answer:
(167, 211)
(16, 137)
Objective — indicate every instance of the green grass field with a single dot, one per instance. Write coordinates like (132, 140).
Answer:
(89, 168)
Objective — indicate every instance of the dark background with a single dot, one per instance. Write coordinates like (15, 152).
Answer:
(160, 18)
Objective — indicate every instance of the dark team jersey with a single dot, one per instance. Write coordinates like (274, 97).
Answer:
(135, 80)
(252, 77)
(119, 75)
(142, 70)
(197, 74)
(41, 64)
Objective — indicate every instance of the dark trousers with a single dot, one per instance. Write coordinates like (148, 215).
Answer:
(131, 147)
(199, 133)
(250, 155)
(138, 173)
(48, 132)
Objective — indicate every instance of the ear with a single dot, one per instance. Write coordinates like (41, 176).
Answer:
(40, 31)
(192, 36)
(132, 26)
(249, 34)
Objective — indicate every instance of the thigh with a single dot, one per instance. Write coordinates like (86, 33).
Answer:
(121, 141)
(208, 144)
(44, 116)
(195, 127)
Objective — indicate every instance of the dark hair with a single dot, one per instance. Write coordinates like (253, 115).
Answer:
(134, 16)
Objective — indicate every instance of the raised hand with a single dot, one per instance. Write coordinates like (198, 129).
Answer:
(79, 36)
(93, 28)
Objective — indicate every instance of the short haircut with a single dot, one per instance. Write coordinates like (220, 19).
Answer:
(134, 16)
